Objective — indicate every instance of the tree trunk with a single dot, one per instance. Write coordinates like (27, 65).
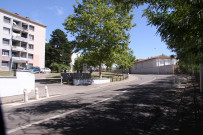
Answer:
(200, 67)
(100, 71)
(201, 76)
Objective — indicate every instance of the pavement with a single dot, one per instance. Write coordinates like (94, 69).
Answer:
(143, 104)
(55, 89)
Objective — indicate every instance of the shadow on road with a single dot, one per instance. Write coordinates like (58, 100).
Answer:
(145, 110)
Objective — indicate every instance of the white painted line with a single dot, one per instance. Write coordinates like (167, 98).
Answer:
(148, 81)
(63, 114)
(54, 117)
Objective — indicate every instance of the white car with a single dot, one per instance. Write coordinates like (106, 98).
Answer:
(46, 70)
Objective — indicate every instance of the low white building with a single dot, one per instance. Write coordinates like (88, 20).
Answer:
(155, 65)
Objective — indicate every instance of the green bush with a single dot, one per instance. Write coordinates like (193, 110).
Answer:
(55, 67)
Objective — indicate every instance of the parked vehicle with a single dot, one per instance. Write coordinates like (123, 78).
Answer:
(45, 70)
(35, 69)
(102, 70)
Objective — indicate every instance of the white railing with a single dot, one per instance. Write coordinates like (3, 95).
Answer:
(17, 27)
(19, 59)
(18, 48)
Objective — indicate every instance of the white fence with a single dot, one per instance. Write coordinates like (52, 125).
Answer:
(10, 86)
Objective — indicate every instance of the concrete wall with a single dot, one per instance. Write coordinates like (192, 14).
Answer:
(11, 86)
(154, 66)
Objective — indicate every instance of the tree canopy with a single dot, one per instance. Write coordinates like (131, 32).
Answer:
(179, 23)
(58, 50)
(100, 28)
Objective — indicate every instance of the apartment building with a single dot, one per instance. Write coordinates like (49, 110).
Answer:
(22, 42)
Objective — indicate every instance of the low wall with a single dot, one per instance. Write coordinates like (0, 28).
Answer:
(90, 81)
(70, 76)
(11, 86)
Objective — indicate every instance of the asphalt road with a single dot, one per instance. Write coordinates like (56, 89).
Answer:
(145, 105)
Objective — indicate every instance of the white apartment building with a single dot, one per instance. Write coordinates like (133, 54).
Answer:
(22, 42)
(155, 65)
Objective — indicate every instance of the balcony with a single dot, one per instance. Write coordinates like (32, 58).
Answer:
(17, 27)
(16, 36)
(19, 37)
(18, 48)
(19, 59)
(24, 39)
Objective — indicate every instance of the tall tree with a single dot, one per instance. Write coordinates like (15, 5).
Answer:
(125, 60)
(179, 23)
(58, 50)
(100, 28)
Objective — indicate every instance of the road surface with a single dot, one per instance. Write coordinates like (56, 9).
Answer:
(144, 105)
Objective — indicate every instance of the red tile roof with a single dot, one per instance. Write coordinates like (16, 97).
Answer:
(157, 57)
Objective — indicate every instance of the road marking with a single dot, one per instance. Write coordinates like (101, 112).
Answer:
(148, 81)
(64, 114)
(54, 117)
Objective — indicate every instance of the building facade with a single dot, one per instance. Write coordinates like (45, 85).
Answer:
(155, 65)
(22, 42)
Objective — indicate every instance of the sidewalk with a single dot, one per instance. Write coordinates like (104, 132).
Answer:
(56, 89)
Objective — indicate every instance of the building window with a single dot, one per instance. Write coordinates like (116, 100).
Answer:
(5, 53)
(32, 28)
(31, 37)
(6, 30)
(5, 41)
(31, 46)
(30, 56)
(7, 20)
(4, 64)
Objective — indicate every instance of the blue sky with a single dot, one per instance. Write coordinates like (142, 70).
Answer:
(53, 13)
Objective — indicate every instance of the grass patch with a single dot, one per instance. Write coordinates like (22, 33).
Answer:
(113, 76)
(104, 75)
(95, 75)
(54, 75)
(6, 73)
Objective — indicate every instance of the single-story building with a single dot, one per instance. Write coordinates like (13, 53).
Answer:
(155, 65)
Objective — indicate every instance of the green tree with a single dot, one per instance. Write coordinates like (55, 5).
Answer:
(87, 58)
(58, 50)
(100, 29)
(179, 23)
(125, 60)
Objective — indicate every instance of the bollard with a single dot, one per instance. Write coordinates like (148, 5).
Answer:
(25, 95)
(46, 91)
(36, 93)
(61, 80)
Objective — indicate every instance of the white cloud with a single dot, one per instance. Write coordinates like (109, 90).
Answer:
(58, 10)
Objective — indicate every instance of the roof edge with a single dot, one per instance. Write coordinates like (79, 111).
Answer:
(25, 18)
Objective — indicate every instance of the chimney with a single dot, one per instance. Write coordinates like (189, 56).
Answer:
(27, 18)
(16, 13)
